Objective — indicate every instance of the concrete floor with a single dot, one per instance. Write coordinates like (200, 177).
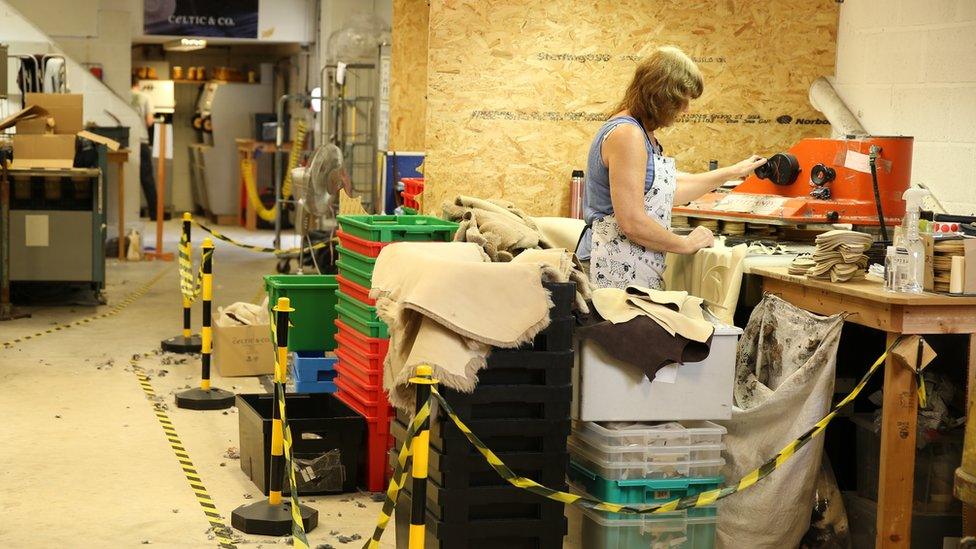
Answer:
(86, 463)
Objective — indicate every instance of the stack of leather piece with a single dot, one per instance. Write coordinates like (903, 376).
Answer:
(839, 256)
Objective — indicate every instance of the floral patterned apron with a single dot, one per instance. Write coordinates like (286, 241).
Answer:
(615, 261)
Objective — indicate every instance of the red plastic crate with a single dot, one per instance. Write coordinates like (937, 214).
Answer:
(410, 200)
(361, 246)
(371, 404)
(365, 380)
(379, 439)
(369, 346)
(366, 363)
(413, 185)
(354, 290)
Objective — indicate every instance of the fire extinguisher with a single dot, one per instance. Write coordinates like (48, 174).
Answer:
(576, 195)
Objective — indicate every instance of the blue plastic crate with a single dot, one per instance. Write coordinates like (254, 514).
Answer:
(315, 387)
(644, 490)
(312, 367)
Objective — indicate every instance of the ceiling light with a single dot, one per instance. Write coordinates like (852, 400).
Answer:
(185, 44)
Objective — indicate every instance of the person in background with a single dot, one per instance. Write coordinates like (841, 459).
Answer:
(142, 103)
(631, 186)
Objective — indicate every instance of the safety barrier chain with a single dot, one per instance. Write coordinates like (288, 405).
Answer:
(247, 171)
(262, 249)
(116, 309)
(529, 485)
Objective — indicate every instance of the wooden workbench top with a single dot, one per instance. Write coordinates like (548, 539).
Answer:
(863, 289)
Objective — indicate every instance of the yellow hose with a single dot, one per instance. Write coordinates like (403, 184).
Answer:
(247, 171)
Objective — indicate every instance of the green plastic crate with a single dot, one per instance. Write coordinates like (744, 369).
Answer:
(398, 228)
(362, 311)
(409, 211)
(644, 490)
(355, 321)
(348, 271)
(314, 299)
(359, 263)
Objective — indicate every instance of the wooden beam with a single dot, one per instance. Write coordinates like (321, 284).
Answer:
(872, 314)
(897, 479)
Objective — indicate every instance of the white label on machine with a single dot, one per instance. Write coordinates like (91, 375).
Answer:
(36, 232)
(763, 204)
(858, 162)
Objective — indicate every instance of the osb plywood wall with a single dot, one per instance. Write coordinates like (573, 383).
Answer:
(408, 79)
(516, 90)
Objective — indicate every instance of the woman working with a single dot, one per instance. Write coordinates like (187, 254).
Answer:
(631, 186)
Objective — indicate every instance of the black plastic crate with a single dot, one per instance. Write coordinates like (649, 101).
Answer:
(472, 471)
(482, 534)
(472, 505)
(320, 423)
(515, 367)
(563, 296)
(558, 336)
(509, 435)
(511, 402)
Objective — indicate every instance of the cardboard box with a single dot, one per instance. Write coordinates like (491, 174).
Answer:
(242, 350)
(43, 151)
(64, 108)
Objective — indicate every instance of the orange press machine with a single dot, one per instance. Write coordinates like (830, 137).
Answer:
(857, 180)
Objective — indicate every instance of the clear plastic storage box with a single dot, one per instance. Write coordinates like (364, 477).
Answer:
(642, 451)
(671, 530)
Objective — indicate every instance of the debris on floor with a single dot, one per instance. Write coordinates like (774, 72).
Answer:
(232, 453)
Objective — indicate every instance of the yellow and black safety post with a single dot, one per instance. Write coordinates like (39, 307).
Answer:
(421, 453)
(206, 397)
(273, 516)
(186, 342)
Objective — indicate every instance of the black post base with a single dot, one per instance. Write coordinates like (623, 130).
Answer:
(271, 520)
(180, 344)
(200, 399)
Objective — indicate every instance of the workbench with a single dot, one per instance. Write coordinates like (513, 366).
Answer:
(866, 303)
(249, 149)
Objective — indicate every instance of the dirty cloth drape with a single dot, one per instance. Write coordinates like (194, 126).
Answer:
(446, 305)
(784, 382)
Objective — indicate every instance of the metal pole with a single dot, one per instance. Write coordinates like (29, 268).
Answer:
(6, 309)
(206, 332)
(421, 450)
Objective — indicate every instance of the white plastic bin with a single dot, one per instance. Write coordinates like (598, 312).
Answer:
(606, 390)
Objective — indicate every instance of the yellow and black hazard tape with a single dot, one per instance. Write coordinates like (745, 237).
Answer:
(398, 479)
(261, 249)
(298, 537)
(190, 286)
(116, 309)
(222, 533)
(699, 500)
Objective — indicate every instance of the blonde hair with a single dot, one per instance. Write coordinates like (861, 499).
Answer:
(662, 87)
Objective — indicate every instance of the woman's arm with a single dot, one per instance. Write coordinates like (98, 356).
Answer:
(691, 186)
(625, 154)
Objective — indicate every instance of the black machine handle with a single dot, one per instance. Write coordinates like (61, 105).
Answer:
(873, 163)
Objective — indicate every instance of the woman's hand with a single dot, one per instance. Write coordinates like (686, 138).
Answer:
(744, 168)
(698, 238)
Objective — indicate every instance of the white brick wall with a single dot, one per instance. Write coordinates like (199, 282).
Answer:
(908, 67)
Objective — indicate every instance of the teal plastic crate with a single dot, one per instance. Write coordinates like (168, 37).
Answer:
(359, 263)
(347, 270)
(363, 312)
(314, 299)
(644, 490)
(398, 228)
(371, 329)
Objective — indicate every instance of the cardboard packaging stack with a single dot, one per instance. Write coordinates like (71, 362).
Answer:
(46, 131)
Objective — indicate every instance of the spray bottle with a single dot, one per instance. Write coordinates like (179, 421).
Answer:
(915, 275)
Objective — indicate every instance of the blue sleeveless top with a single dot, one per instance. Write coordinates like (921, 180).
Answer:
(597, 203)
